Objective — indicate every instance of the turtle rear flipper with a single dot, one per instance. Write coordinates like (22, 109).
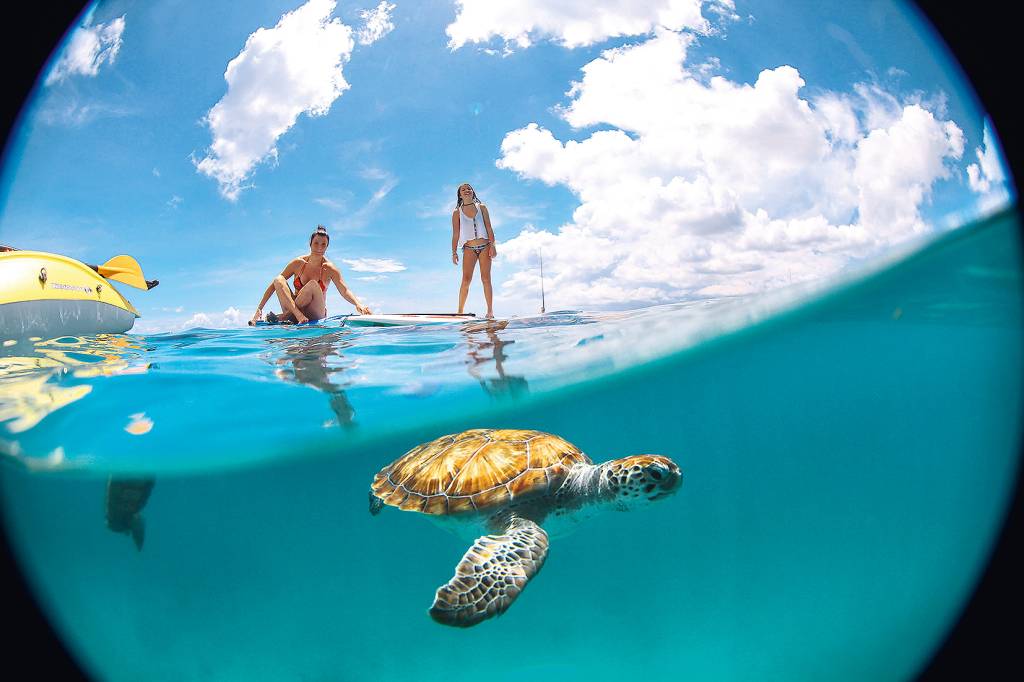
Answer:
(138, 531)
(491, 575)
(376, 504)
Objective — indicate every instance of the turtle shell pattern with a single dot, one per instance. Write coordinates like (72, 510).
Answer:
(476, 470)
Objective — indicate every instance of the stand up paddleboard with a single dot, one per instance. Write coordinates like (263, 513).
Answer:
(394, 320)
(403, 319)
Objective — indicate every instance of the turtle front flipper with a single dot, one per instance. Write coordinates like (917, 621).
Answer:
(491, 575)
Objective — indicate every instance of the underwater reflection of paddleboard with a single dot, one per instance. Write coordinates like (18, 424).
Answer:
(49, 295)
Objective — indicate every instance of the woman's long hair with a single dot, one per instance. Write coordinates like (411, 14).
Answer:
(458, 195)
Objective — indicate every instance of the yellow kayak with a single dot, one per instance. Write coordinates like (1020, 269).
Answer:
(47, 295)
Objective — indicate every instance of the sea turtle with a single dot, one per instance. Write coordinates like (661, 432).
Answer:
(499, 486)
(125, 499)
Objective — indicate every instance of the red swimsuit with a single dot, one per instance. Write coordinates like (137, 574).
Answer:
(298, 281)
(298, 285)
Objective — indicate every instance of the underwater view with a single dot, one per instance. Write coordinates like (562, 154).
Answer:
(492, 340)
(846, 458)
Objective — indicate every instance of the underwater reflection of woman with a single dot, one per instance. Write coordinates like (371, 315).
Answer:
(491, 351)
(471, 230)
(319, 362)
(311, 274)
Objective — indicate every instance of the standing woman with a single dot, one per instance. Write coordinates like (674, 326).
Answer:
(471, 231)
(312, 274)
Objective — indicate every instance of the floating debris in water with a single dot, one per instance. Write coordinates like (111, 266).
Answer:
(139, 425)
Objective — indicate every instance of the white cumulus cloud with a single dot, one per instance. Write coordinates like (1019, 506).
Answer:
(232, 317)
(574, 23)
(197, 320)
(374, 264)
(706, 187)
(376, 23)
(291, 69)
(88, 49)
(987, 177)
(988, 172)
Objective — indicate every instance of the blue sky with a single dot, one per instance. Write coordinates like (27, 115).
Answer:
(656, 150)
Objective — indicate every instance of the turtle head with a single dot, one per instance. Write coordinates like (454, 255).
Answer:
(639, 479)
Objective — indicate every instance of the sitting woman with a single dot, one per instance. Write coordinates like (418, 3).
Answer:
(312, 273)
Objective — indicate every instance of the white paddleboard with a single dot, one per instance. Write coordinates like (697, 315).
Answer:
(399, 320)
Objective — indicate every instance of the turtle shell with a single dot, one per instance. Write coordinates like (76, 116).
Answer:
(476, 470)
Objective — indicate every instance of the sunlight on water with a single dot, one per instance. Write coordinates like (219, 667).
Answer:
(847, 460)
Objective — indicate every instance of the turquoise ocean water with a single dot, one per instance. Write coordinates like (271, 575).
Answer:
(848, 455)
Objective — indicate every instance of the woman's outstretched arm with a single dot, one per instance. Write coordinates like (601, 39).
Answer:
(258, 315)
(345, 292)
(286, 273)
(492, 251)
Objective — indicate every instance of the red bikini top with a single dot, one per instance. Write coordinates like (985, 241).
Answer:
(298, 282)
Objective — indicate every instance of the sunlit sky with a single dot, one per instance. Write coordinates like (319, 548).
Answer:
(652, 150)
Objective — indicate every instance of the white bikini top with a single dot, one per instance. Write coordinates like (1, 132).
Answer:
(471, 228)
